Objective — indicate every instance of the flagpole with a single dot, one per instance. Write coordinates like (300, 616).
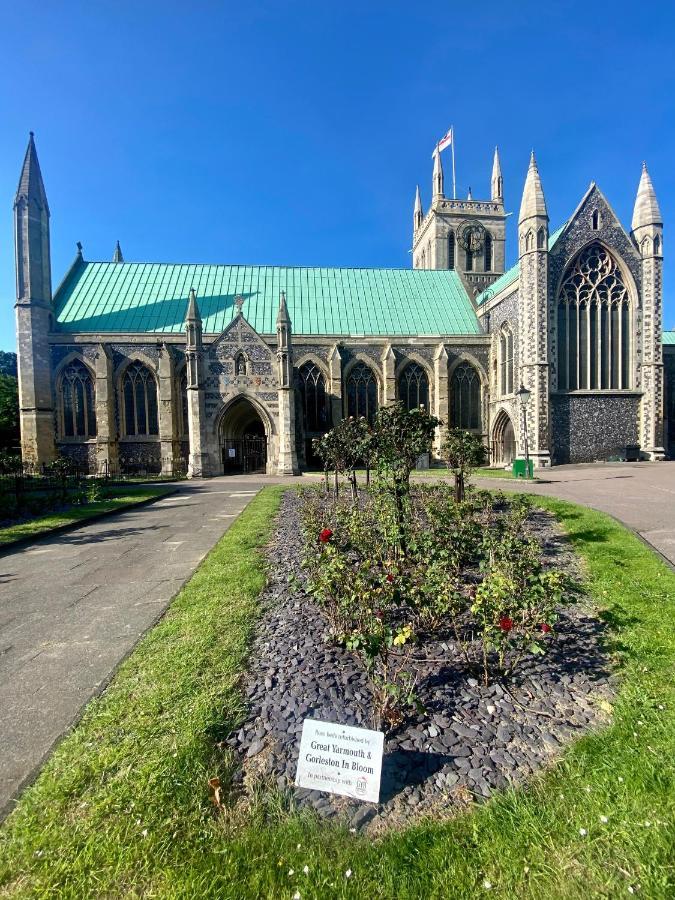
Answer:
(454, 186)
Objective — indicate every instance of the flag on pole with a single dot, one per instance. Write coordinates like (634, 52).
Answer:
(444, 142)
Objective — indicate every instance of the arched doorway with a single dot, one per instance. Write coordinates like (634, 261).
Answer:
(243, 440)
(503, 441)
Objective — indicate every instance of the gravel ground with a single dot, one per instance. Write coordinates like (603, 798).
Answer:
(473, 740)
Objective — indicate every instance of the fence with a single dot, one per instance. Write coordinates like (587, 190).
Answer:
(31, 490)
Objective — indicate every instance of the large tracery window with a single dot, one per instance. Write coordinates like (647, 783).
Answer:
(139, 391)
(506, 361)
(314, 401)
(465, 409)
(594, 319)
(78, 415)
(362, 392)
(413, 387)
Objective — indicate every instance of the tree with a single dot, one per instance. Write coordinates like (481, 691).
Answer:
(401, 436)
(8, 363)
(462, 451)
(9, 411)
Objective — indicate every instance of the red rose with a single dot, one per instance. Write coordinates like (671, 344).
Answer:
(325, 535)
(390, 578)
(506, 624)
(545, 627)
(379, 614)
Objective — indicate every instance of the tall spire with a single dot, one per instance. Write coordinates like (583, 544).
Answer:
(117, 255)
(437, 178)
(497, 182)
(193, 309)
(533, 202)
(31, 186)
(646, 211)
(418, 212)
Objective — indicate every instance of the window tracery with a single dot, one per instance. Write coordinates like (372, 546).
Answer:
(314, 400)
(78, 414)
(594, 319)
(139, 393)
(413, 387)
(466, 398)
(506, 361)
(362, 392)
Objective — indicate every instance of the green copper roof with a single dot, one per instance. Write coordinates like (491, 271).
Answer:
(150, 297)
(509, 277)
(668, 337)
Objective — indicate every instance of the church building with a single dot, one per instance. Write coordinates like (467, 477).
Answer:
(210, 369)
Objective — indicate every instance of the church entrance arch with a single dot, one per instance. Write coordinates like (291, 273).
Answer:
(503, 441)
(243, 440)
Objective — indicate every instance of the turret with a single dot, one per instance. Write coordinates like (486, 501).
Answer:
(117, 255)
(418, 213)
(198, 460)
(437, 178)
(533, 356)
(647, 232)
(497, 182)
(287, 459)
(34, 314)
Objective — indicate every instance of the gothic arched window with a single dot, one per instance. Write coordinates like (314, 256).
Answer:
(362, 392)
(451, 250)
(594, 324)
(506, 361)
(139, 392)
(541, 239)
(314, 401)
(413, 387)
(465, 409)
(488, 252)
(78, 415)
(183, 401)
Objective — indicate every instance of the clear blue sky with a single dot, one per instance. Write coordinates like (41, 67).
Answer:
(295, 132)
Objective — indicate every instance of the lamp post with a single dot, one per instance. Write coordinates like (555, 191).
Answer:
(523, 396)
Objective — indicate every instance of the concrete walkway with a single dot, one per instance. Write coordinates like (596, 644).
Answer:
(74, 605)
(641, 495)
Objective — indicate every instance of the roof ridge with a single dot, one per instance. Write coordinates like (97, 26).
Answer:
(141, 262)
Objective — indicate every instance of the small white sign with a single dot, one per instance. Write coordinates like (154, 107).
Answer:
(340, 759)
(232, 452)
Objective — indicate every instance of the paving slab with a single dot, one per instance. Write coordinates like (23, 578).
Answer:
(73, 606)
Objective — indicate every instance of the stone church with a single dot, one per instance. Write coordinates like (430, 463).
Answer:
(210, 369)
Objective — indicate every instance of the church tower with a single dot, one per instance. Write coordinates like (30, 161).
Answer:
(34, 313)
(647, 232)
(533, 316)
(465, 235)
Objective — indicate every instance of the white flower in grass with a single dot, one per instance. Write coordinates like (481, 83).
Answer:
(588, 788)
(620, 779)
(648, 824)
(291, 872)
(306, 870)
(487, 885)
(352, 830)
(604, 820)
(144, 832)
(348, 873)
(296, 895)
(583, 832)
(298, 847)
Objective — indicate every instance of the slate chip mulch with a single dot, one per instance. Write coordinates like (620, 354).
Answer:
(472, 739)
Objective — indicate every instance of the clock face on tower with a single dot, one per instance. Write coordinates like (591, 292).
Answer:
(472, 237)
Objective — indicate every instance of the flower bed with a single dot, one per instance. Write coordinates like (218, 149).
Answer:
(450, 736)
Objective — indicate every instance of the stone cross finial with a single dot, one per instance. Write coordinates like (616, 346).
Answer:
(239, 302)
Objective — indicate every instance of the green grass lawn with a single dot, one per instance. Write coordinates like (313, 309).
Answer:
(122, 807)
(120, 498)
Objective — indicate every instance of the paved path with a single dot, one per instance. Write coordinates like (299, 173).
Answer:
(642, 495)
(74, 605)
